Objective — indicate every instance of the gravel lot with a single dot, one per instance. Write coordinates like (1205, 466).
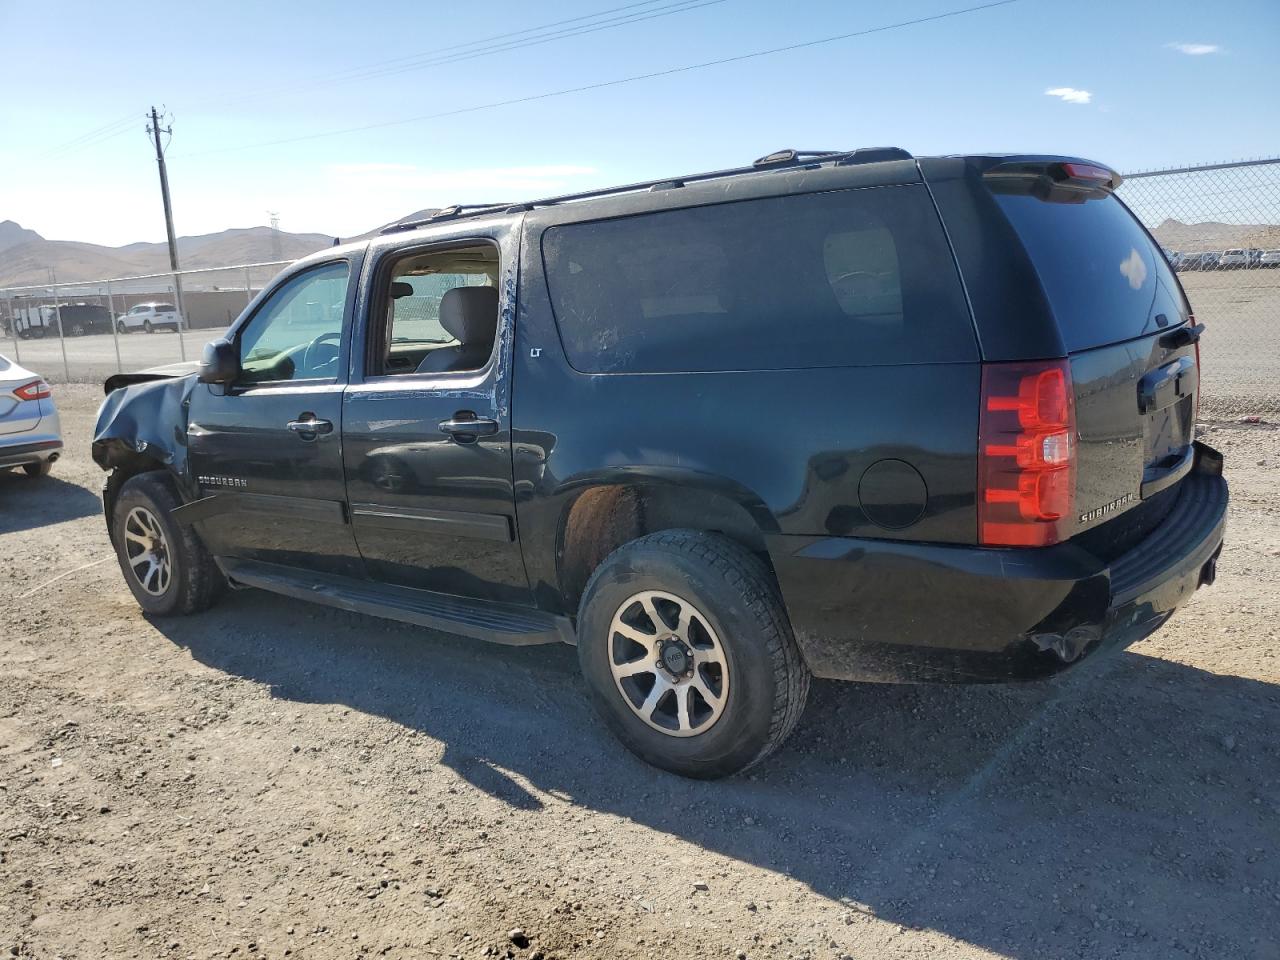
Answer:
(272, 778)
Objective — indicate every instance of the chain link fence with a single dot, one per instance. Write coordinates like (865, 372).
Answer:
(84, 332)
(1219, 225)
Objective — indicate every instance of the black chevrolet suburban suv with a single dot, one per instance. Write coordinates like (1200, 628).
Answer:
(852, 415)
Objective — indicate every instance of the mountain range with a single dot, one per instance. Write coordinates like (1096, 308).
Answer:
(27, 258)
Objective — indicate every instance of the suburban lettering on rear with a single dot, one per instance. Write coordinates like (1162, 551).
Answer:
(1090, 515)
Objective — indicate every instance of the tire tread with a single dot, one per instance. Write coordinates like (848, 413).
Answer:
(201, 581)
(749, 578)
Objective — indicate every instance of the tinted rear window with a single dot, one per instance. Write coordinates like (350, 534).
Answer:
(848, 278)
(1098, 267)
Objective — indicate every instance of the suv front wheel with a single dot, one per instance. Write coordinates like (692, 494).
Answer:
(689, 655)
(166, 566)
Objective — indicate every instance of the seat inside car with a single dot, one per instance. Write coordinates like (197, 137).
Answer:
(470, 314)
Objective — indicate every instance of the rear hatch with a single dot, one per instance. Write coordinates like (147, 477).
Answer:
(1130, 339)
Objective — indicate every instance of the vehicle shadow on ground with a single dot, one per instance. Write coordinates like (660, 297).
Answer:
(27, 503)
(1127, 808)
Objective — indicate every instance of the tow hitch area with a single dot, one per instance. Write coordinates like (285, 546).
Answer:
(1209, 572)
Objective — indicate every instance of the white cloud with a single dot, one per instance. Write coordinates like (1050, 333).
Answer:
(1069, 94)
(1195, 49)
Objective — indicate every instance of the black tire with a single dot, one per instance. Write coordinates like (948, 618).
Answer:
(194, 581)
(736, 594)
(120, 327)
(37, 470)
(147, 327)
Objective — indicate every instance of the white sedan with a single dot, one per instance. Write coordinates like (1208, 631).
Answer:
(30, 434)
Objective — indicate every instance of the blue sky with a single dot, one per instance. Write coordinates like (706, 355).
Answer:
(238, 75)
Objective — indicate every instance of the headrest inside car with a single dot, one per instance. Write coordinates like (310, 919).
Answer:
(470, 314)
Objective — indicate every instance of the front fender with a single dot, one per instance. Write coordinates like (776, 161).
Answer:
(140, 427)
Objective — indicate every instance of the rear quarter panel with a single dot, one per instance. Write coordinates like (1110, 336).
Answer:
(789, 446)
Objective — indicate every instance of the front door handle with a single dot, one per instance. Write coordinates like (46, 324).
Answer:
(308, 427)
(467, 429)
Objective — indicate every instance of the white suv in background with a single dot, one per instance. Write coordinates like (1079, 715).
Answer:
(150, 317)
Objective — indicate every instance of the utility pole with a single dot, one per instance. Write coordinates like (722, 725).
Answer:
(155, 130)
(276, 252)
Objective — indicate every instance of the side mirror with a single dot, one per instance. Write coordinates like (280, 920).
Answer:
(220, 363)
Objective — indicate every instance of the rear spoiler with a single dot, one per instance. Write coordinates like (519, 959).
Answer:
(1055, 181)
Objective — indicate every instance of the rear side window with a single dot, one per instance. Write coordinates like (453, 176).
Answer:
(1097, 265)
(847, 278)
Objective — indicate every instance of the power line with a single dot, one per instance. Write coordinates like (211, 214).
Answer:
(672, 71)
(499, 43)
(93, 137)
(683, 6)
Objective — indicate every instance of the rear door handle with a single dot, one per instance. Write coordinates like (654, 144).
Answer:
(308, 427)
(468, 429)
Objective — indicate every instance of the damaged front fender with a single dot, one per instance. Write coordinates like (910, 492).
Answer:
(145, 420)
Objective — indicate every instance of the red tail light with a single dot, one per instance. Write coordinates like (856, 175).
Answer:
(1026, 453)
(35, 390)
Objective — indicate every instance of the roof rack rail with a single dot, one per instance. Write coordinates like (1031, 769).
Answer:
(874, 155)
(788, 156)
(445, 213)
(779, 159)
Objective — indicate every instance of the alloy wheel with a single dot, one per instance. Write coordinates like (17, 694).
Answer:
(147, 551)
(668, 663)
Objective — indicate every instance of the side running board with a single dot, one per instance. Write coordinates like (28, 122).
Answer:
(494, 622)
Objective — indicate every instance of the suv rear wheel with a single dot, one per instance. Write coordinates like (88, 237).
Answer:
(167, 568)
(688, 653)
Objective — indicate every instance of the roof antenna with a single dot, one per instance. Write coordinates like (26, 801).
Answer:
(337, 242)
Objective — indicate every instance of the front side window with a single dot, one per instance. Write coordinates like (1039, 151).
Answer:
(442, 312)
(297, 333)
(845, 278)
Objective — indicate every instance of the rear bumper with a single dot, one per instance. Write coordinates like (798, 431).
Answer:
(895, 611)
(29, 451)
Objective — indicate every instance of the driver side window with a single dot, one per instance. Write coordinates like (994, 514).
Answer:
(297, 333)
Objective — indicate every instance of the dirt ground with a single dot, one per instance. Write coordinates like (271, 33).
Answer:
(275, 779)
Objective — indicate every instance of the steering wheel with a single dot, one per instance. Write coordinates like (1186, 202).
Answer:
(311, 356)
